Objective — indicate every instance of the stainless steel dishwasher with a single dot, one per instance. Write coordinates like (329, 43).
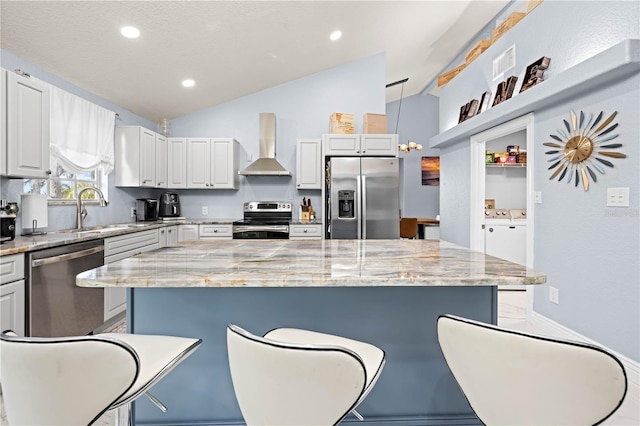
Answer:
(57, 307)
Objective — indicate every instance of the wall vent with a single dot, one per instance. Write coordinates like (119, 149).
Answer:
(504, 62)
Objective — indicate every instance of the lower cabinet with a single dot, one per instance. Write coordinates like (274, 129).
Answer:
(215, 231)
(12, 294)
(305, 232)
(121, 247)
(188, 232)
(169, 236)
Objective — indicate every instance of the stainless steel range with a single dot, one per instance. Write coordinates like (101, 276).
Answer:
(264, 220)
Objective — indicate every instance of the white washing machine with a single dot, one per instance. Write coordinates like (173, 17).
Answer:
(505, 236)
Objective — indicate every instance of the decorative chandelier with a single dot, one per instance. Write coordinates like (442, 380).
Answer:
(407, 147)
(404, 147)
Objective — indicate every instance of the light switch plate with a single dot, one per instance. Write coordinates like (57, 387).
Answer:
(618, 197)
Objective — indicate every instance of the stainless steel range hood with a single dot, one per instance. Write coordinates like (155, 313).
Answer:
(266, 164)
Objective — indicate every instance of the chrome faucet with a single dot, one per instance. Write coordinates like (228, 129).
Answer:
(81, 211)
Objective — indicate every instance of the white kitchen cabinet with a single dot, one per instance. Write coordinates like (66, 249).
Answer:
(3, 124)
(188, 232)
(12, 293)
(27, 127)
(162, 162)
(212, 163)
(384, 145)
(177, 163)
(169, 236)
(309, 164)
(215, 231)
(224, 164)
(310, 231)
(121, 247)
(135, 151)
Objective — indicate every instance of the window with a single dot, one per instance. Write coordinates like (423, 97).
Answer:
(64, 185)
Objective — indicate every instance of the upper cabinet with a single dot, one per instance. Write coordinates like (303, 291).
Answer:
(384, 145)
(212, 163)
(162, 165)
(3, 124)
(26, 141)
(308, 164)
(177, 163)
(135, 156)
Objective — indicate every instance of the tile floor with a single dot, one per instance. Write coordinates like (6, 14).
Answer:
(511, 314)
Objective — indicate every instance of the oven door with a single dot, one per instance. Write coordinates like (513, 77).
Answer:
(260, 232)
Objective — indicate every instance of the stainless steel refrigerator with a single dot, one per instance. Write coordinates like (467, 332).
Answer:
(364, 198)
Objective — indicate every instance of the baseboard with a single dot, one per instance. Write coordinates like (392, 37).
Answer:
(552, 328)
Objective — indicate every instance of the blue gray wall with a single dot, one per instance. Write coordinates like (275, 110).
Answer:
(302, 108)
(590, 252)
(418, 122)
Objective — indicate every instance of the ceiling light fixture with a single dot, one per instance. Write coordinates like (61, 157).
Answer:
(188, 83)
(130, 32)
(335, 35)
(404, 147)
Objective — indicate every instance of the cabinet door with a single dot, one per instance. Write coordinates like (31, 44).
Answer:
(177, 163)
(384, 145)
(172, 235)
(12, 307)
(224, 164)
(161, 162)
(198, 162)
(305, 232)
(3, 124)
(147, 158)
(347, 145)
(163, 237)
(187, 232)
(27, 127)
(308, 164)
(507, 242)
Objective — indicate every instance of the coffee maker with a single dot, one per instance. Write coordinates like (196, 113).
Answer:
(169, 205)
(7, 221)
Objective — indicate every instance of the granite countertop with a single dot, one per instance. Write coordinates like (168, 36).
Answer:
(310, 263)
(27, 243)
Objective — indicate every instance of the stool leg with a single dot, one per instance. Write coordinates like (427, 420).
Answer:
(358, 415)
(157, 402)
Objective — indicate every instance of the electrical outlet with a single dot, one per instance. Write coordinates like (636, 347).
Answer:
(205, 210)
(133, 212)
(554, 295)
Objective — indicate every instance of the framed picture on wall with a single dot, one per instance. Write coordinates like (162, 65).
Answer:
(431, 171)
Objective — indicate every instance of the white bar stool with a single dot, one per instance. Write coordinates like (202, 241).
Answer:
(294, 377)
(515, 378)
(74, 380)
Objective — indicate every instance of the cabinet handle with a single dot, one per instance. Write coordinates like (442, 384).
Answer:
(162, 232)
(48, 172)
(146, 180)
(160, 183)
(215, 230)
(305, 231)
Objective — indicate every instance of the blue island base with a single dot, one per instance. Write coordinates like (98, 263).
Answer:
(415, 387)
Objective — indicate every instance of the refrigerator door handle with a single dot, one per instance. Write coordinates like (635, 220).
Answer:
(363, 216)
(359, 213)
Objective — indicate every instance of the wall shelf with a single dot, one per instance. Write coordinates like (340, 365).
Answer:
(506, 165)
(611, 65)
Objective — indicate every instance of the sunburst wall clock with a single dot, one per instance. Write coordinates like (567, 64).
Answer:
(582, 148)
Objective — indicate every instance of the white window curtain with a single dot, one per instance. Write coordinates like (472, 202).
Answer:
(82, 134)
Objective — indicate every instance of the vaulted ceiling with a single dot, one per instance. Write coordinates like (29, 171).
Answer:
(232, 48)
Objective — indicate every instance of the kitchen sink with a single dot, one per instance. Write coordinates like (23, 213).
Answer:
(103, 230)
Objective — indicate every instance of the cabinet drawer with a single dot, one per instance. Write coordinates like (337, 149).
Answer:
(305, 231)
(130, 242)
(216, 230)
(11, 268)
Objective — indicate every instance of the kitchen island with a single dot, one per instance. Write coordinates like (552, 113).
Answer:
(386, 292)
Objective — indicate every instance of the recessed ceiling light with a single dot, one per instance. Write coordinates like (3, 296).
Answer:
(335, 35)
(188, 83)
(130, 32)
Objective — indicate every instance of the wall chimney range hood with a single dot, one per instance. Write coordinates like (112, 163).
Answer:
(266, 164)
